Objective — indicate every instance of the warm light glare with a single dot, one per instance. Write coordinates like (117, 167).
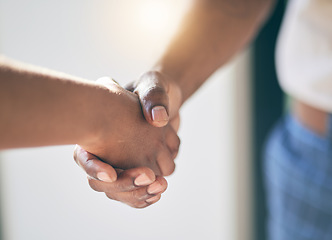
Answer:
(138, 28)
(155, 14)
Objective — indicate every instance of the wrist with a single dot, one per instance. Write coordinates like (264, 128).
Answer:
(110, 106)
(100, 104)
(180, 79)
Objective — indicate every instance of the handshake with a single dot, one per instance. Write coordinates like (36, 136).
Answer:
(135, 141)
(127, 139)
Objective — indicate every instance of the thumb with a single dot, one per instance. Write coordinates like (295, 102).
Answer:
(151, 89)
(93, 166)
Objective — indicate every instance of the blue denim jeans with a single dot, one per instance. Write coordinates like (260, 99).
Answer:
(298, 181)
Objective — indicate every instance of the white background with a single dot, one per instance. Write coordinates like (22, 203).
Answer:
(44, 195)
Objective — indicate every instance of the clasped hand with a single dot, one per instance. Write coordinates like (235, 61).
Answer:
(130, 158)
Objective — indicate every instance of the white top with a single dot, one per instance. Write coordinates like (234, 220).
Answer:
(304, 52)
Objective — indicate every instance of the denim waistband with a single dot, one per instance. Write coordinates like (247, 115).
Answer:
(300, 131)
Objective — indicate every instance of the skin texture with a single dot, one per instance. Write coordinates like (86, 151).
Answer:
(212, 32)
(40, 107)
(134, 142)
(122, 185)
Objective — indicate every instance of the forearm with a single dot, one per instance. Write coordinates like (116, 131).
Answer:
(212, 32)
(41, 107)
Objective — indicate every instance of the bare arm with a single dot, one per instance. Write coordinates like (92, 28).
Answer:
(212, 32)
(42, 107)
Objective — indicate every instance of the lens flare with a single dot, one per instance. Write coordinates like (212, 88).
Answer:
(154, 15)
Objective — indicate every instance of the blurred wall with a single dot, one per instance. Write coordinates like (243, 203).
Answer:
(44, 195)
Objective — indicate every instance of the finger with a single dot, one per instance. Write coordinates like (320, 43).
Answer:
(139, 197)
(134, 204)
(144, 204)
(153, 164)
(165, 162)
(128, 180)
(175, 122)
(157, 187)
(172, 141)
(94, 167)
(153, 199)
(154, 98)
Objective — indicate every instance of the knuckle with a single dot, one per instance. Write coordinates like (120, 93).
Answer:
(174, 147)
(154, 92)
(137, 195)
(134, 195)
(169, 170)
(117, 186)
(123, 186)
(163, 182)
(177, 144)
(146, 170)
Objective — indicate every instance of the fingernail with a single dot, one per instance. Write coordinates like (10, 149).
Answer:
(159, 114)
(153, 199)
(102, 176)
(155, 188)
(142, 180)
